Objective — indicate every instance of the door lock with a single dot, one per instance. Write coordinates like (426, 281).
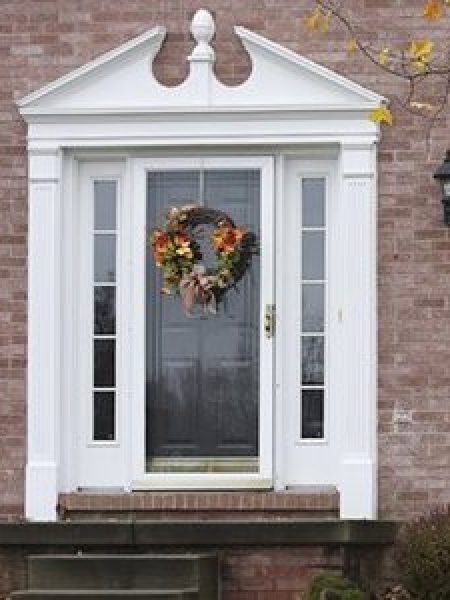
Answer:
(269, 321)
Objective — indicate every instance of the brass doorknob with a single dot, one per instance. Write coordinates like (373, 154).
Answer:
(269, 321)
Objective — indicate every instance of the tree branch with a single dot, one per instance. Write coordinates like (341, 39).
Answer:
(413, 69)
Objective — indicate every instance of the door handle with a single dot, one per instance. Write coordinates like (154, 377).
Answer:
(269, 321)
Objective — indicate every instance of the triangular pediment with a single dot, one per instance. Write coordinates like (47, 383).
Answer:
(122, 81)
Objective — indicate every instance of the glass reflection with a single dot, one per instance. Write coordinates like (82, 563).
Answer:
(104, 258)
(312, 307)
(104, 363)
(104, 416)
(312, 414)
(202, 372)
(313, 202)
(105, 205)
(313, 360)
(104, 310)
(313, 255)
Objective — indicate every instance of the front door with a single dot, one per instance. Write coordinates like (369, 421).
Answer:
(208, 377)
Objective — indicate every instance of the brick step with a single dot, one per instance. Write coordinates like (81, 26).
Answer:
(86, 572)
(302, 502)
(184, 594)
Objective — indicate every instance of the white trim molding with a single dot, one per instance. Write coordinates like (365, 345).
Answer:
(114, 109)
(44, 334)
(359, 356)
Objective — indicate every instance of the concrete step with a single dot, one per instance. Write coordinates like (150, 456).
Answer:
(184, 594)
(125, 572)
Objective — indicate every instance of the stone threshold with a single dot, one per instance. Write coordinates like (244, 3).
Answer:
(307, 502)
(86, 534)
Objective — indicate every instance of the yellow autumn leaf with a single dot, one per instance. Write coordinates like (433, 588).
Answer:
(318, 21)
(313, 19)
(325, 23)
(420, 65)
(352, 46)
(433, 10)
(382, 114)
(421, 49)
(383, 57)
(420, 52)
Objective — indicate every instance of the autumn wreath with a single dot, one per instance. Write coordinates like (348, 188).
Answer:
(177, 252)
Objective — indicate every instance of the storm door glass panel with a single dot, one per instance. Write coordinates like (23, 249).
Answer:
(202, 388)
(313, 292)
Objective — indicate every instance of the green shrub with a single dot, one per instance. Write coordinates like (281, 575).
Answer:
(333, 587)
(423, 556)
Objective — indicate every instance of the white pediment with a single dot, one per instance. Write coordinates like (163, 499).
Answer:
(122, 81)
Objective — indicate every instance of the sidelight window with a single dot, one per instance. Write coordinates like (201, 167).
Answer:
(104, 310)
(313, 294)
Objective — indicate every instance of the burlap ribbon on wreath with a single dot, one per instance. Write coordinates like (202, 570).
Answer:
(196, 288)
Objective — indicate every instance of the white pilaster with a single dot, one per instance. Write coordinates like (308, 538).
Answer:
(358, 334)
(43, 335)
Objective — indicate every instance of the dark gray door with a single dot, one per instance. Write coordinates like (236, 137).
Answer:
(202, 386)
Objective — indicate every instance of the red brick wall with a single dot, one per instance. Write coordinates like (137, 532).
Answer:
(281, 573)
(12, 570)
(42, 39)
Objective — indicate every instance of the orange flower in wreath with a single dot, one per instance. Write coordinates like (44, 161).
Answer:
(160, 244)
(183, 245)
(160, 239)
(181, 239)
(226, 238)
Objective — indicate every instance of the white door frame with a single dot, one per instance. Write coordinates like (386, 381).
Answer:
(140, 479)
(356, 195)
(348, 455)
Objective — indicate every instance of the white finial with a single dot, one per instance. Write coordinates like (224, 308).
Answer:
(202, 29)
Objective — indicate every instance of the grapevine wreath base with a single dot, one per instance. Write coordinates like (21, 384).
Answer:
(177, 252)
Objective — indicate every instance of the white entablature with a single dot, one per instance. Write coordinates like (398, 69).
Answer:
(122, 82)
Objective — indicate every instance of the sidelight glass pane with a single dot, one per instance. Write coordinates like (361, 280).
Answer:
(104, 258)
(313, 360)
(104, 363)
(313, 255)
(312, 425)
(105, 205)
(313, 275)
(313, 202)
(104, 416)
(104, 310)
(313, 298)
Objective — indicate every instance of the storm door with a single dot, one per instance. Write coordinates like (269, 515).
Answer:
(202, 390)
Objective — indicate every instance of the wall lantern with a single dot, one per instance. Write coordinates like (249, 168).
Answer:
(443, 175)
